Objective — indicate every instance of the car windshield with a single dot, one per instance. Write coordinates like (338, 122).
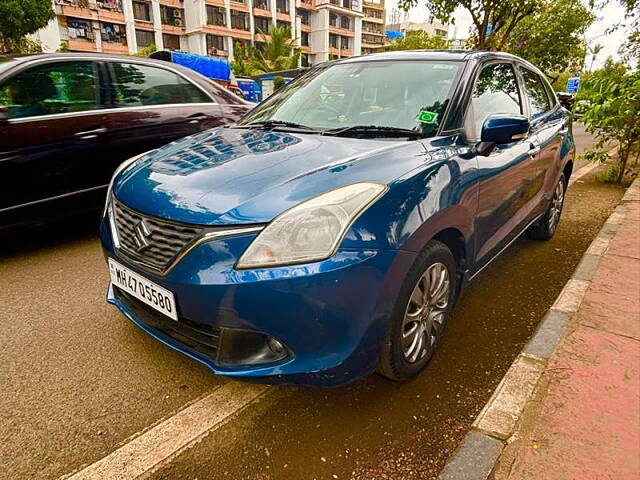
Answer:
(403, 95)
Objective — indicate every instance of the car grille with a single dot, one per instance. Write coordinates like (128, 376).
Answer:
(163, 240)
(199, 337)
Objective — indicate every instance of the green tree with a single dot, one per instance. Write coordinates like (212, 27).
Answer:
(418, 40)
(241, 64)
(19, 18)
(552, 38)
(280, 52)
(494, 20)
(613, 113)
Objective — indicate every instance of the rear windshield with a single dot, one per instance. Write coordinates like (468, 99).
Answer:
(400, 94)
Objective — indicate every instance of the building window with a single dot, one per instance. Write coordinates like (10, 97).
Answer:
(171, 16)
(281, 24)
(142, 11)
(333, 19)
(215, 43)
(112, 32)
(441, 33)
(80, 28)
(215, 16)
(334, 40)
(262, 24)
(304, 59)
(144, 38)
(171, 42)
(262, 4)
(345, 23)
(305, 17)
(282, 6)
(304, 39)
(239, 20)
(344, 43)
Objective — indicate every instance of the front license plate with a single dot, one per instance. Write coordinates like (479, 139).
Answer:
(144, 290)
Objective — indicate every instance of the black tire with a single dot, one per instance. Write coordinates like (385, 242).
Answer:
(393, 362)
(545, 228)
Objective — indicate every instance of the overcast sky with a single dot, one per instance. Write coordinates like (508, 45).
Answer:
(611, 14)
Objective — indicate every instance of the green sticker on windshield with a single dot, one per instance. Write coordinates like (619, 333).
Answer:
(426, 116)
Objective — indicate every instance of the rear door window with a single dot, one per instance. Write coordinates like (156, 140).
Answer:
(137, 85)
(495, 92)
(51, 88)
(539, 103)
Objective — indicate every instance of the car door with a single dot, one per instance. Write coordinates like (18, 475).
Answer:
(549, 123)
(151, 106)
(506, 176)
(55, 124)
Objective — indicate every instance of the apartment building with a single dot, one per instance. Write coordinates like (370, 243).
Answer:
(433, 27)
(373, 26)
(324, 29)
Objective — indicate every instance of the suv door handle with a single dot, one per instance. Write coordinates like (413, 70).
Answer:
(89, 134)
(197, 118)
(533, 150)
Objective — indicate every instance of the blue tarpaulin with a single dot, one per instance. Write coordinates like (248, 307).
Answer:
(210, 67)
(391, 34)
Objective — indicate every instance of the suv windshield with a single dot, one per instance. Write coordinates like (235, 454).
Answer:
(401, 95)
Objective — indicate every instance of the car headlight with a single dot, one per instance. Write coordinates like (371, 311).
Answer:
(120, 168)
(312, 230)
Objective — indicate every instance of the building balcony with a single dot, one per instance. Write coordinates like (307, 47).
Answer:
(76, 12)
(143, 25)
(305, 5)
(340, 52)
(215, 3)
(240, 34)
(239, 6)
(172, 29)
(305, 28)
(220, 30)
(341, 31)
(373, 32)
(112, 47)
(82, 45)
(285, 17)
(172, 3)
(379, 21)
(258, 37)
(261, 12)
(305, 49)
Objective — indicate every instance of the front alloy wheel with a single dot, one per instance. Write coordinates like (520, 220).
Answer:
(417, 322)
(424, 315)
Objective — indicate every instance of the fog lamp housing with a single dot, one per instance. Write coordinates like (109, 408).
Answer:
(242, 347)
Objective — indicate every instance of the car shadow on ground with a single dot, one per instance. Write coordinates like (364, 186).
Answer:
(29, 240)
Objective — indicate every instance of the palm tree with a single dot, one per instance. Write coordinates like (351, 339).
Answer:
(280, 52)
(594, 51)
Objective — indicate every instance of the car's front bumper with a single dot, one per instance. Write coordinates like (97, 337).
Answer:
(331, 315)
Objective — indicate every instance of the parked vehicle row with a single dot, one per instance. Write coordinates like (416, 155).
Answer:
(329, 232)
(68, 120)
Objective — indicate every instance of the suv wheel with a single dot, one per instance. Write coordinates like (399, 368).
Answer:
(544, 228)
(420, 314)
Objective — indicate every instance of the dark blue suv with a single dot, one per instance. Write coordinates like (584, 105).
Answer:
(329, 233)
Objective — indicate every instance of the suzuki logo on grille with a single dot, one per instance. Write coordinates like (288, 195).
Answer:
(141, 236)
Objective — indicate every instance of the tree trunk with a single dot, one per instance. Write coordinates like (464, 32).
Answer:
(622, 161)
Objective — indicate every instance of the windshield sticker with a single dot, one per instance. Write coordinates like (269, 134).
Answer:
(425, 116)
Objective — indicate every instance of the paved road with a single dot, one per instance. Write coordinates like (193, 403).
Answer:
(79, 380)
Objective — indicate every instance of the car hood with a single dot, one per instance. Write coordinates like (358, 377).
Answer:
(242, 176)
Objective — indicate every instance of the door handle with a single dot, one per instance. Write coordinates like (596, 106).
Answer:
(534, 150)
(563, 131)
(198, 118)
(89, 134)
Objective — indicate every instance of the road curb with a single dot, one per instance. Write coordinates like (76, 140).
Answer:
(479, 451)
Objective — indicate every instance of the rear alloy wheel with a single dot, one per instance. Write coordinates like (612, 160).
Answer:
(544, 228)
(420, 314)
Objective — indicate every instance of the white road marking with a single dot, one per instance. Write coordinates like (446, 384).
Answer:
(160, 444)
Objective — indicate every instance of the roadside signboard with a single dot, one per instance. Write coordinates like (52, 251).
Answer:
(573, 84)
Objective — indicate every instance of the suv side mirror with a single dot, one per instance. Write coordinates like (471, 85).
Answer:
(4, 115)
(504, 128)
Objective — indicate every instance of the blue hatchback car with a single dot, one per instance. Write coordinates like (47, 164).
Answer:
(329, 233)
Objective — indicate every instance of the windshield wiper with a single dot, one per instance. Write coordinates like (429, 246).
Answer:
(376, 130)
(271, 124)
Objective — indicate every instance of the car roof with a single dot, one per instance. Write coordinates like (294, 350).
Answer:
(441, 55)
(66, 56)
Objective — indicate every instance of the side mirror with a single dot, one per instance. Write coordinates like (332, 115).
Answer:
(504, 128)
(4, 115)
